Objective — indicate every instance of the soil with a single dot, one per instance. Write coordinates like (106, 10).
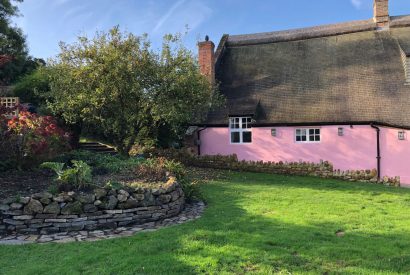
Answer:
(125, 178)
(24, 183)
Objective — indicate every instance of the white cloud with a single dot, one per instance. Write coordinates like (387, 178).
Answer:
(191, 13)
(357, 3)
(168, 15)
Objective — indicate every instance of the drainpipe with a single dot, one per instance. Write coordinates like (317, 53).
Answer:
(378, 149)
(199, 140)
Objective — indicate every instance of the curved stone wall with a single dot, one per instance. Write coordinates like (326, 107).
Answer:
(102, 208)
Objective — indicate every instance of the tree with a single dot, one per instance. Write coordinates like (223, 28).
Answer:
(116, 82)
(14, 59)
(30, 87)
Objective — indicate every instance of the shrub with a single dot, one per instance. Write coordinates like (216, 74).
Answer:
(78, 176)
(156, 169)
(28, 139)
(100, 163)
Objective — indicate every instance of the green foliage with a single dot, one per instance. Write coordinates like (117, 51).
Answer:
(114, 185)
(101, 163)
(79, 175)
(53, 189)
(116, 82)
(56, 167)
(31, 86)
(155, 169)
(13, 45)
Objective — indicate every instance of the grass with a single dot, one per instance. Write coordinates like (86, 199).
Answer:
(255, 223)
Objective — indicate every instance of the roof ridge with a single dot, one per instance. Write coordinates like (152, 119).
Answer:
(313, 32)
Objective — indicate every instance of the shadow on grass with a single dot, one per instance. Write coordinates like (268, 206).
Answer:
(228, 238)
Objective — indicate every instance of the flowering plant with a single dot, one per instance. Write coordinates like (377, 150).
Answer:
(28, 138)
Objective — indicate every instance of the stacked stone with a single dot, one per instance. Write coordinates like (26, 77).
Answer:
(324, 169)
(44, 213)
(365, 176)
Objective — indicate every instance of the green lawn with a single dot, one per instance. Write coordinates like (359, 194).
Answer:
(254, 223)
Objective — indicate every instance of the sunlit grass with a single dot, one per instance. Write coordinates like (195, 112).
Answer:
(254, 223)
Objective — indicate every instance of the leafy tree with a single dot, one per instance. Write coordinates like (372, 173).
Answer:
(30, 87)
(14, 59)
(116, 82)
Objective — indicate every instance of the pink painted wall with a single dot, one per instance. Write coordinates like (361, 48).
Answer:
(355, 150)
(395, 155)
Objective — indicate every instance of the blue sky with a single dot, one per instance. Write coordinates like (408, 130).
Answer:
(46, 22)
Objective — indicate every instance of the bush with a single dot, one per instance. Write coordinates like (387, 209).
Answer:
(30, 87)
(78, 176)
(28, 139)
(156, 169)
(100, 163)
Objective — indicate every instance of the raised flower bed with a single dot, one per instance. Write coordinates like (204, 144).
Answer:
(100, 208)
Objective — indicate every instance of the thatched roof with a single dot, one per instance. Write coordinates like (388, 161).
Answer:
(347, 72)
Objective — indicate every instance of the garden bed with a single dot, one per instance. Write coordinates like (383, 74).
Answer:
(20, 184)
(91, 191)
(109, 207)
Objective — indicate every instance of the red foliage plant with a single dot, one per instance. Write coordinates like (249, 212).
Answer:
(29, 138)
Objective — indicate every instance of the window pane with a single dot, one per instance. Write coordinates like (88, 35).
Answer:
(317, 131)
(303, 138)
(298, 132)
(311, 137)
(317, 138)
(247, 137)
(244, 122)
(303, 131)
(311, 131)
(298, 138)
(235, 137)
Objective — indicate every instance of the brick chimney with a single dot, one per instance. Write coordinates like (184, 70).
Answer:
(381, 13)
(206, 59)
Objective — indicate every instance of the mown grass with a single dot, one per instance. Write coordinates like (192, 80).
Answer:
(254, 223)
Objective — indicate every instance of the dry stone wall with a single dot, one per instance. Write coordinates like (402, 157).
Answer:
(324, 169)
(44, 213)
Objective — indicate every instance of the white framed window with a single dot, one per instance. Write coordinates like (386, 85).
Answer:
(240, 130)
(307, 135)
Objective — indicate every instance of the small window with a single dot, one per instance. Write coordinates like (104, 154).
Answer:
(307, 135)
(240, 129)
(273, 132)
(340, 132)
(402, 135)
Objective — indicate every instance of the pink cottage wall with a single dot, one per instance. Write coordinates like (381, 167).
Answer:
(395, 155)
(355, 150)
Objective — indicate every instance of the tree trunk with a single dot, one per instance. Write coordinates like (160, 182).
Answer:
(75, 130)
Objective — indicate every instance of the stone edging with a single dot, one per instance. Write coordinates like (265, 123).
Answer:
(191, 211)
(324, 169)
(103, 208)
